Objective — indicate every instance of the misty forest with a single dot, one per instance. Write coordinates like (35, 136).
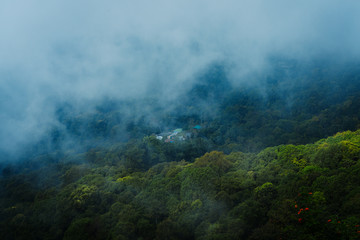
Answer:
(180, 120)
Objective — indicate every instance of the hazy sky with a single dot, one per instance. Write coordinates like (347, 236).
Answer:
(81, 50)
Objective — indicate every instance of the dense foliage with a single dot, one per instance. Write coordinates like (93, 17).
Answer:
(284, 192)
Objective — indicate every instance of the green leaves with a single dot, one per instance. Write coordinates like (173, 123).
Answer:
(290, 192)
(216, 160)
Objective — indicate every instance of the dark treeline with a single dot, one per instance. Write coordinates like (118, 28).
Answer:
(292, 103)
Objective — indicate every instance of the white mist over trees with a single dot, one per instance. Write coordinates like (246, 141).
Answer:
(83, 51)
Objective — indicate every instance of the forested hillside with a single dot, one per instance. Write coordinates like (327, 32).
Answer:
(233, 168)
(226, 162)
(284, 192)
(179, 120)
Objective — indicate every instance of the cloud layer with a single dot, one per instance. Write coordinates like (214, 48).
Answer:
(81, 51)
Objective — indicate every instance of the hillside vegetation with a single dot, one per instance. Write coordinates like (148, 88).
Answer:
(284, 192)
(248, 161)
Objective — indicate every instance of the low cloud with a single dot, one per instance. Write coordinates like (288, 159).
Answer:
(83, 51)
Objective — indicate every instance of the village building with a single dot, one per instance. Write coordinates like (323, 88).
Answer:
(176, 135)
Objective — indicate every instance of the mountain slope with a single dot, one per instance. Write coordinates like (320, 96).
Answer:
(289, 192)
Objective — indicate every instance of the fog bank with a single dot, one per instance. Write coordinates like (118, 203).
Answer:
(83, 51)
